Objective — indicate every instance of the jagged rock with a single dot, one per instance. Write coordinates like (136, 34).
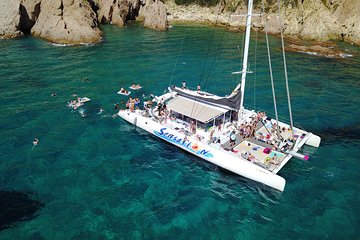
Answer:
(134, 9)
(220, 7)
(67, 21)
(9, 19)
(113, 11)
(154, 15)
(308, 19)
(118, 11)
(347, 13)
(29, 13)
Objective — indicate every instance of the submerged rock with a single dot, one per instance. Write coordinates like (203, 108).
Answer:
(316, 48)
(67, 21)
(9, 19)
(154, 15)
(17, 206)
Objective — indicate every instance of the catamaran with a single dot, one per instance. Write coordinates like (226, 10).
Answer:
(222, 131)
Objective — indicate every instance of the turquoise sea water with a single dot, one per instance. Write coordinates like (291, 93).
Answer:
(101, 178)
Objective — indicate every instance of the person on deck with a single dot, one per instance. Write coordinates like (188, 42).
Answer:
(232, 138)
(198, 88)
(193, 127)
(274, 160)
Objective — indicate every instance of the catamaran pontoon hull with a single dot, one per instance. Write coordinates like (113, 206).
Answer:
(215, 156)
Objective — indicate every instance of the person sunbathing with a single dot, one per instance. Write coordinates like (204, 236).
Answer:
(251, 158)
(274, 160)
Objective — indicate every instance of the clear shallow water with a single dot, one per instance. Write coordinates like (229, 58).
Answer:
(102, 179)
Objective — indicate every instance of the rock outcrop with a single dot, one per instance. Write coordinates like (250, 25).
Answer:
(318, 50)
(67, 21)
(117, 12)
(9, 19)
(154, 15)
(114, 12)
(309, 19)
(75, 21)
(348, 14)
(319, 19)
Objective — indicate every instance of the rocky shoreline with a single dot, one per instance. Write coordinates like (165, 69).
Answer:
(77, 21)
(307, 31)
(319, 20)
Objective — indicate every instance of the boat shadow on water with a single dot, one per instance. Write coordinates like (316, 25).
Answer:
(348, 134)
(232, 180)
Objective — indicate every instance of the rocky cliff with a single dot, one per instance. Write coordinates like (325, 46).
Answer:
(307, 19)
(151, 12)
(114, 12)
(29, 13)
(10, 19)
(154, 15)
(75, 21)
(67, 21)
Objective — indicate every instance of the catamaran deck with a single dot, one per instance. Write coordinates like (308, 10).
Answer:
(257, 152)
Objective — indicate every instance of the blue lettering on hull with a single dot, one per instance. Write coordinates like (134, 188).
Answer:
(193, 147)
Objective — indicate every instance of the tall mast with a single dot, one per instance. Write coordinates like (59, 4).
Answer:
(246, 54)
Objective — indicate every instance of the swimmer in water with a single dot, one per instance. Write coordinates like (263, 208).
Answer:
(101, 111)
(36, 141)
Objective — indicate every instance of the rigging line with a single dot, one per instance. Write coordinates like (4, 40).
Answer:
(177, 58)
(207, 55)
(238, 76)
(215, 57)
(255, 72)
(285, 70)
(240, 50)
(271, 73)
(229, 81)
(208, 51)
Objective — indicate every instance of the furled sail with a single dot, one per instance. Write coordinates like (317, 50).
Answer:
(231, 102)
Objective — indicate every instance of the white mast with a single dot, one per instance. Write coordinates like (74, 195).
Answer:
(245, 60)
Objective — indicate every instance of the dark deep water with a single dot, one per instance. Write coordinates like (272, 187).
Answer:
(100, 178)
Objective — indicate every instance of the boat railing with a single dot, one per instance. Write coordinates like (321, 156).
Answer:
(281, 118)
(298, 125)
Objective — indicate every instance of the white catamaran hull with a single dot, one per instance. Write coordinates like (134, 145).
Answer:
(218, 157)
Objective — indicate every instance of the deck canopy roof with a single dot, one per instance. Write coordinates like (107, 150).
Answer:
(196, 110)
